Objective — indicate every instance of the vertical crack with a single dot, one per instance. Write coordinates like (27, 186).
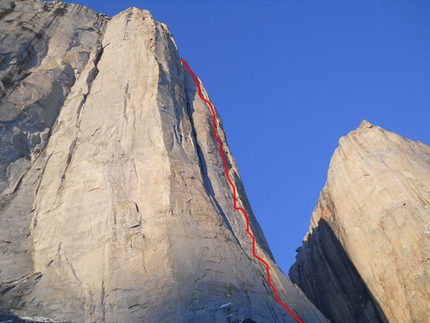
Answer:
(126, 100)
(205, 176)
(92, 74)
(70, 154)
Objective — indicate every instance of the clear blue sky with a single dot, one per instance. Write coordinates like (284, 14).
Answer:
(290, 77)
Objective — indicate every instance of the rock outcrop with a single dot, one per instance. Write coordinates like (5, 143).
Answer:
(114, 202)
(366, 257)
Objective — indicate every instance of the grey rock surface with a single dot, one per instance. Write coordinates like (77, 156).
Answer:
(43, 49)
(366, 257)
(115, 205)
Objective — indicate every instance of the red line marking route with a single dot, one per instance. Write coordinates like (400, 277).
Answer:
(233, 188)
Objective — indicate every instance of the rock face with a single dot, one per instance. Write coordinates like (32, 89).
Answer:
(366, 257)
(114, 202)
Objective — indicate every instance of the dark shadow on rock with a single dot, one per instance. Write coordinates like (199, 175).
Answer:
(330, 280)
(207, 183)
(6, 316)
(190, 93)
(247, 320)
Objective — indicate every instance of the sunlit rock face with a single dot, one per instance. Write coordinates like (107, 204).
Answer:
(114, 201)
(366, 257)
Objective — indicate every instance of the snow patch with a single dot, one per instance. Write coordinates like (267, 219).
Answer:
(39, 320)
(227, 305)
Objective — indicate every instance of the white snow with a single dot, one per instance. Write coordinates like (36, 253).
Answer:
(225, 305)
(40, 319)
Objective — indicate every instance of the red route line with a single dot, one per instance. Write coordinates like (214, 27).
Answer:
(233, 188)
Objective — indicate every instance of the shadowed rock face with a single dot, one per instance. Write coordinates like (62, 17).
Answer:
(331, 281)
(366, 256)
(114, 203)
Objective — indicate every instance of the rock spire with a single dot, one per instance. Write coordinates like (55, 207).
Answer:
(366, 257)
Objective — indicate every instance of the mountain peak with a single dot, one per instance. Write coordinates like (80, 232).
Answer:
(365, 124)
(113, 187)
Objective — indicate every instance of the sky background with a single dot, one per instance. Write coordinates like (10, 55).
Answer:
(290, 77)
